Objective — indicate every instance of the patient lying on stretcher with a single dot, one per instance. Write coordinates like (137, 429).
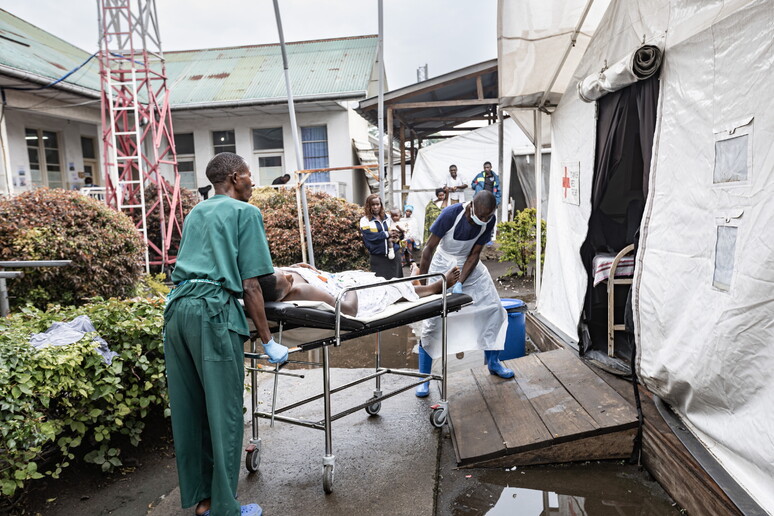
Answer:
(302, 282)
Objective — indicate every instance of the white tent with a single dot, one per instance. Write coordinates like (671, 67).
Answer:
(468, 151)
(703, 292)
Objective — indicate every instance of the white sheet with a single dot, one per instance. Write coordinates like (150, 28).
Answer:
(390, 310)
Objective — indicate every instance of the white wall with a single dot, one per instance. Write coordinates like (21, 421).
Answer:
(342, 127)
(69, 134)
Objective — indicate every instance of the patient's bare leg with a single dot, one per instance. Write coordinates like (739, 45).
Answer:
(452, 276)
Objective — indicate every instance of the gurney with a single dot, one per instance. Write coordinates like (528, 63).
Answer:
(288, 316)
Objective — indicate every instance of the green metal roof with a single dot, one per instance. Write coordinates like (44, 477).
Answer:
(333, 67)
(324, 67)
(27, 48)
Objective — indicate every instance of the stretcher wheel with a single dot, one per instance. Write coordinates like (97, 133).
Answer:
(438, 417)
(328, 478)
(253, 460)
(374, 408)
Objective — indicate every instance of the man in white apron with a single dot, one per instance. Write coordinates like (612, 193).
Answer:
(456, 238)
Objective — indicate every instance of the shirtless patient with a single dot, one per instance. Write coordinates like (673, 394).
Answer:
(302, 282)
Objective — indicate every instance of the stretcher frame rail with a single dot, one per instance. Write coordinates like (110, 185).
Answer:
(352, 329)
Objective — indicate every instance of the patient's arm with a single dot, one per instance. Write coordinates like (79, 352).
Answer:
(307, 292)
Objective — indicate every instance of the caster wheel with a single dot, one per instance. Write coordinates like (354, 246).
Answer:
(374, 408)
(253, 460)
(438, 418)
(328, 479)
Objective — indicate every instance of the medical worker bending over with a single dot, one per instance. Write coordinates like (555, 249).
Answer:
(222, 254)
(456, 238)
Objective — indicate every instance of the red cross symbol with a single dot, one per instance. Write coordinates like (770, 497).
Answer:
(565, 182)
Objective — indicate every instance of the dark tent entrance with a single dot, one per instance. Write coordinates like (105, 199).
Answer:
(625, 128)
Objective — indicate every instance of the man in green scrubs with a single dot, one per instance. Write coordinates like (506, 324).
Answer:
(222, 254)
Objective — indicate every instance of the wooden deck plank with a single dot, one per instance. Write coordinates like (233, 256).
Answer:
(596, 397)
(520, 426)
(560, 412)
(476, 434)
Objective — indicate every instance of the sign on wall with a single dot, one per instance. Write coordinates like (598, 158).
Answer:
(571, 182)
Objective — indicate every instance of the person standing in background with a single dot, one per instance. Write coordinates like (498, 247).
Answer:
(380, 240)
(433, 209)
(455, 186)
(487, 180)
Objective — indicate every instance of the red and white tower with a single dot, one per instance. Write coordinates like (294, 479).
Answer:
(137, 124)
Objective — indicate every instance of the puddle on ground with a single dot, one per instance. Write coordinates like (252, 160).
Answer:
(592, 489)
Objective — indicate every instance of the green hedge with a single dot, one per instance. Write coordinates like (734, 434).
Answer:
(105, 248)
(336, 238)
(56, 399)
(516, 239)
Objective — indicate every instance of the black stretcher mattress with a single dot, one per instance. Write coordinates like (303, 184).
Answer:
(295, 316)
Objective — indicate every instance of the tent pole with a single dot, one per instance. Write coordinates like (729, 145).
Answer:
(296, 142)
(388, 201)
(538, 199)
(570, 46)
(505, 177)
(402, 164)
(380, 58)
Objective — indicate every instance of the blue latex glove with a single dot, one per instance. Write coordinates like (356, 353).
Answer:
(457, 288)
(277, 352)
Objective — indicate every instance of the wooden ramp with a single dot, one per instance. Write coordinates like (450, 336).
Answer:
(555, 410)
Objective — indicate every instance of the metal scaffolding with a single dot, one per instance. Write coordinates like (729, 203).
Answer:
(137, 125)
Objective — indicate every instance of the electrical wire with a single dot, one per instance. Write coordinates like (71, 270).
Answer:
(54, 82)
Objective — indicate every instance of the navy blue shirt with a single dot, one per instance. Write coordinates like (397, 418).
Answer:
(464, 230)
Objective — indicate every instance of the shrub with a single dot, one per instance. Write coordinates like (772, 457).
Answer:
(516, 239)
(188, 199)
(336, 236)
(56, 399)
(43, 224)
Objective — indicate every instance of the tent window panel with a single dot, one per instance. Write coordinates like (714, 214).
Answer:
(725, 248)
(731, 160)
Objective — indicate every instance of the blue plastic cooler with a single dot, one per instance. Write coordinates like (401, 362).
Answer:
(516, 333)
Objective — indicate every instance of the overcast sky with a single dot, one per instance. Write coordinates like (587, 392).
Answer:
(445, 34)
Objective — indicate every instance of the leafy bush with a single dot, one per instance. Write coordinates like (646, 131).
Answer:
(43, 224)
(188, 199)
(516, 239)
(336, 236)
(56, 399)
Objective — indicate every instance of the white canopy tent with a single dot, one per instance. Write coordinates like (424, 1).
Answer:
(468, 151)
(703, 292)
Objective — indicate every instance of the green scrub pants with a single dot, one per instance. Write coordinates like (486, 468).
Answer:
(205, 375)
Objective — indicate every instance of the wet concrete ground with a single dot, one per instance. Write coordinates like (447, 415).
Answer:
(392, 464)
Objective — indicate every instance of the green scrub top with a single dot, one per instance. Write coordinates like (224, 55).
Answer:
(224, 242)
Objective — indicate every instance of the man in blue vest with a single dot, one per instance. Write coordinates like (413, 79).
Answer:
(487, 180)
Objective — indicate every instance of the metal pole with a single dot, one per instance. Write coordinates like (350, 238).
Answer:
(380, 103)
(539, 197)
(505, 177)
(294, 129)
(4, 305)
(390, 187)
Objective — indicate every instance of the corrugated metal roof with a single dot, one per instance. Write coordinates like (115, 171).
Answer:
(236, 74)
(30, 49)
(320, 67)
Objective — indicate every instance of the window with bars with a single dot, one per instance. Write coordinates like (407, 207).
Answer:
(45, 160)
(314, 143)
